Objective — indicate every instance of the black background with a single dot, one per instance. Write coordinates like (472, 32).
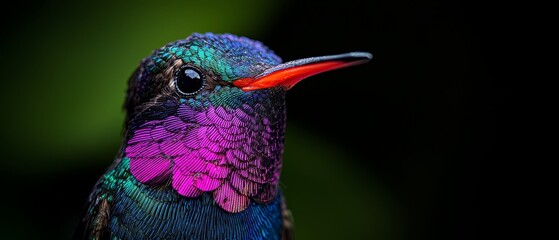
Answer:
(422, 114)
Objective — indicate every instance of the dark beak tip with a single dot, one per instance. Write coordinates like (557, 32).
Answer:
(363, 56)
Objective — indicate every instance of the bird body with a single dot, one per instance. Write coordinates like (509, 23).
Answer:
(128, 209)
(203, 144)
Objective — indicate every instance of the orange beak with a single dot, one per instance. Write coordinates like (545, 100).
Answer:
(290, 73)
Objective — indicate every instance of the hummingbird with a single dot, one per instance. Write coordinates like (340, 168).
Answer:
(202, 145)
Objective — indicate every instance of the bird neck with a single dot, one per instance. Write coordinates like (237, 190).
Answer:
(236, 153)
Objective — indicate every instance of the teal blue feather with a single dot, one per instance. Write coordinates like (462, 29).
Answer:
(141, 212)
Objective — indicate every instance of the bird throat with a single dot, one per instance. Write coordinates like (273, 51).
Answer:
(232, 150)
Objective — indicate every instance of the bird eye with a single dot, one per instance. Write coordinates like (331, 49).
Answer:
(189, 81)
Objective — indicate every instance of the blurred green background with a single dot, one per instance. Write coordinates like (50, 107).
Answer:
(387, 150)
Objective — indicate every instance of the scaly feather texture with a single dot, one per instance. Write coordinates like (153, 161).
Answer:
(202, 153)
(138, 211)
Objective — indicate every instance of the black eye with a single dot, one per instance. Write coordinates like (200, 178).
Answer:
(189, 80)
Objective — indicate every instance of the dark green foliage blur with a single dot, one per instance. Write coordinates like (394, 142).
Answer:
(391, 149)
(64, 72)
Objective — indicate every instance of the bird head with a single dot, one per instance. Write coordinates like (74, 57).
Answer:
(207, 114)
